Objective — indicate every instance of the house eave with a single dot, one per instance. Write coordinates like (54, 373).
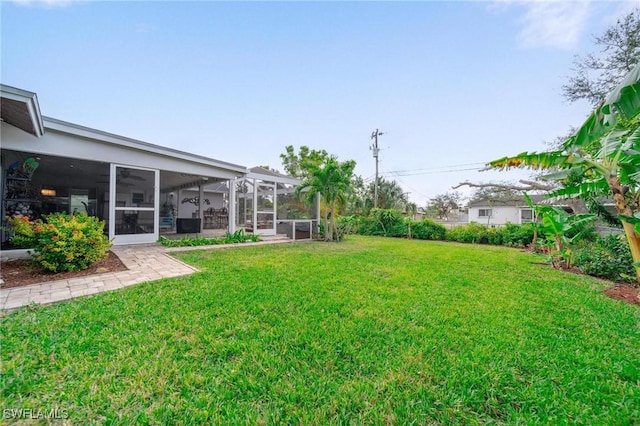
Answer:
(267, 175)
(111, 138)
(30, 101)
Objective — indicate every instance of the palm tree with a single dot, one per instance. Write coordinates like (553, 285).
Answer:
(332, 180)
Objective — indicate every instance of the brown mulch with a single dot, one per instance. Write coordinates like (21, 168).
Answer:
(17, 273)
(624, 292)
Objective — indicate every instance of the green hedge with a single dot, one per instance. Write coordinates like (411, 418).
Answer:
(510, 235)
(427, 230)
(392, 223)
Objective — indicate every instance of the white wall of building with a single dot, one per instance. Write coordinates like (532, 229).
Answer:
(500, 215)
(186, 210)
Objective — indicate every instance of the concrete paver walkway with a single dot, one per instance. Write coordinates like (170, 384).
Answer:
(145, 262)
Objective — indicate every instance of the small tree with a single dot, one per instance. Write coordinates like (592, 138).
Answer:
(444, 204)
(332, 180)
(557, 225)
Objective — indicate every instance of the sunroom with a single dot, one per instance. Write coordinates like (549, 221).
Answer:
(140, 190)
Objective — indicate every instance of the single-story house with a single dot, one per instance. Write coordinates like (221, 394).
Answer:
(139, 189)
(499, 212)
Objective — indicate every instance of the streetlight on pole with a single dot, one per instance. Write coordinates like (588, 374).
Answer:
(375, 150)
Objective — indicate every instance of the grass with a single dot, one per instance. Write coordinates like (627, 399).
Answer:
(368, 331)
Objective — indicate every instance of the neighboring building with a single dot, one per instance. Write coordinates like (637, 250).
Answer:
(501, 212)
(137, 188)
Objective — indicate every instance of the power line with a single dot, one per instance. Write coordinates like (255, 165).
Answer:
(412, 188)
(396, 174)
(438, 167)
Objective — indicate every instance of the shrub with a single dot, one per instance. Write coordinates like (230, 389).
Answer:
(62, 242)
(345, 225)
(471, 233)
(608, 257)
(237, 237)
(387, 222)
(427, 229)
(517, 235)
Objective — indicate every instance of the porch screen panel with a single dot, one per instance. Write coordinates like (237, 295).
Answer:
(265, 205)
(135, 201)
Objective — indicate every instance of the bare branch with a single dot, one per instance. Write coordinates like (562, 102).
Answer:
(527, 185)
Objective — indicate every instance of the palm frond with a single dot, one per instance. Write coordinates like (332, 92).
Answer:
(595, 188)
(533, 160)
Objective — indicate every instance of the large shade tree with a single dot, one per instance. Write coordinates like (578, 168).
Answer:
(443, 204)
(332, 180)
(390, 194)
(605, 154)
(297, 164)
(597, 74)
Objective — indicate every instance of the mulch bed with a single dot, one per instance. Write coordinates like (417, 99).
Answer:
(21, 272)
(624, 292)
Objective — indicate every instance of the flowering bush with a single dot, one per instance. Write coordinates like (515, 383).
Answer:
(62, 242)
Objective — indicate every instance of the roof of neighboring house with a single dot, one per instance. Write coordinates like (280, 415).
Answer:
(507, 202)
(521, 202)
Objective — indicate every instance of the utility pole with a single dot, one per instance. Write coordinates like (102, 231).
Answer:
(375, 150)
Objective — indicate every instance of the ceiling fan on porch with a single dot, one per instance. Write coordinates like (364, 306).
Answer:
(125, 174)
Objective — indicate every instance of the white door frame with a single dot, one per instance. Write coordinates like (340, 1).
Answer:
(257, 183)
(133, 238)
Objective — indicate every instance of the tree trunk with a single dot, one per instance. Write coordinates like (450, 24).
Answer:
(325, 220)
(558, 243)
(624, 209)
(332, 222)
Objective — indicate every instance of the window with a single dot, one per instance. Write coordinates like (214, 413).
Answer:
(484, 213)
(526, 216)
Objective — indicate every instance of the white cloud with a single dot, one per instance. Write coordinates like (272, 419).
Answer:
(144, 28)
(557, 24)
(45, 3)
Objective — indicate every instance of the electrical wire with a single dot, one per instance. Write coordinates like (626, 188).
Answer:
(438, 167)
(435, 172)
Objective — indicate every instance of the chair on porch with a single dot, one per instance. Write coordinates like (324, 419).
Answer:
(166, 222)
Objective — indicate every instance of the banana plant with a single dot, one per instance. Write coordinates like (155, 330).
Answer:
(556, 225)
(605, 153)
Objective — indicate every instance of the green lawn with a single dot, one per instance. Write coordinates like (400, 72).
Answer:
(369, 331)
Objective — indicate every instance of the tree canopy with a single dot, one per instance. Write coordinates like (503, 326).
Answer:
(332, 180)
(597, 74)
(297, 164)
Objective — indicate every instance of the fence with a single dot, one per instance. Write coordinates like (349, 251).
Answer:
(298, 229)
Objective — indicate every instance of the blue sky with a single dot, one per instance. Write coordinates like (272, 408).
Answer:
(451, 84)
